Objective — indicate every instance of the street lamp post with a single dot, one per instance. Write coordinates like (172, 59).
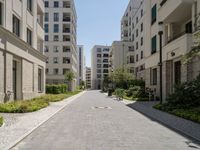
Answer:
(160, 63)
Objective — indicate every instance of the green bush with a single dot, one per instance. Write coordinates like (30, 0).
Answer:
(1, 121)
(56, 89)
(136, 92)
(186, 95)
(119, 93)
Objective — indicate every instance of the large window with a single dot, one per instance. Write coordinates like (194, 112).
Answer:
(66, 48)
(39, 80)
(153, 14)
(46, 17)
(56, 28)
(46, 38)
(56, 4)
(29, 36)
(1, 13)
(55, 60)
(56, 38)
(46, 4)
(56, 17)
(16, 26)
(66, 60)
(154, 76)
(154, 44)
(29, 5)
(55, 71)
(56, 49)
(46, 28)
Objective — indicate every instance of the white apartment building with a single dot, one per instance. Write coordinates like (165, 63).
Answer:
(60, 40)
(100, 65)
(88, 77)
(22, 63)
(181, 20)
(81, 64)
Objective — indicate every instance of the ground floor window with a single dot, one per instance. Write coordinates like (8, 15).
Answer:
(40, 80)
(153, 76)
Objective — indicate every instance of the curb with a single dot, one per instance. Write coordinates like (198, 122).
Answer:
(70, 100)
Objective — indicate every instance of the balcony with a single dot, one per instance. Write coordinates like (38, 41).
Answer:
(174, 10)
(40, 31)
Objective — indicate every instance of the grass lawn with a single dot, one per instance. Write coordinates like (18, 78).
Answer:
(35, 104)
(192, 114)
(1, 121)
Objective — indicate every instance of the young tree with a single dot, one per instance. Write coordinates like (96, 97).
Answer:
(69, 77)
(82, 85)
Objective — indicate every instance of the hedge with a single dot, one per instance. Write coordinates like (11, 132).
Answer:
(56, 89)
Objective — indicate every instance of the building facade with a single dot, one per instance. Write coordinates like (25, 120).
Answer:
(22, 63)
(81, 64)
(88, 77)
(140, 28)
(100, 65)
(60, 40)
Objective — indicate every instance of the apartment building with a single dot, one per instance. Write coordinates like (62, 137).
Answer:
(88, 77)
(22, 63)
(81, 64)
(100, 65)
(140, 28)
(60, 40)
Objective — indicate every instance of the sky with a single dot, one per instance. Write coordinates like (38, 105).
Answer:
(98, 23)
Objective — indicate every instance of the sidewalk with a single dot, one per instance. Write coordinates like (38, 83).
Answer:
(186, 127)
(18, 126)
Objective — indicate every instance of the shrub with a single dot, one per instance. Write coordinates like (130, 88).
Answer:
(137, 92)
(56, 89)
(136, 82)
(1, 121)
(186, 95)
(119, 93)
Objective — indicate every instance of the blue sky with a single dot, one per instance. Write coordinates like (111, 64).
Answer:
(98, 23)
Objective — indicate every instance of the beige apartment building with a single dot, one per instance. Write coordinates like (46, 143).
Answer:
(88, 77)
(22, 63)
(100, 65)
(60, 40)
(180, 21)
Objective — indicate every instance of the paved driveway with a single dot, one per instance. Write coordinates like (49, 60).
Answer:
(95, 122)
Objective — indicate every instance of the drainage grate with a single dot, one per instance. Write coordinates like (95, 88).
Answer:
(95, 107)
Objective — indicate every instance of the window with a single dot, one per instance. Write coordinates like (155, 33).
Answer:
(56, 17)
(131, 48)
(1, 13)
(106, 49)
(65, 70)
(66, 38)
(66, 49)
(153, 14)
(154, 44)
(132, 59)
(55, 38)
(16, 26)
(55, 71)
(56, 28)
(98, 55)
(133, 25)
(55, 49)
(98, 70)
(142, 55)
(46, 4)
(40, 80)
(105, 71)
(56, 4)
(46, 38)
(98, 65)
(137, 33)
(177, 72)
(142, 41)
(154, 76)
(105, 66)
(66, 28)
(47, 71)
(66, 60)
(133, 37)
(46, 17)
(46, 49)
(46, 28)
(105, 60)
(98, 76)
(29, 37)
(98, 49)
(136, 45)
(142, 13)
(29, 5)
(136, 19)
(105, 55)
(141, 27)
(137, 58)
(66, 17)
(47, 60)
(55, 60)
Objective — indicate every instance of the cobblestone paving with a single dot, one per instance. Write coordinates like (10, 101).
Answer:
(96, 122)
(17, 125)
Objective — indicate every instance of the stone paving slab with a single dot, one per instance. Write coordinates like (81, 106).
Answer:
(17, 126)
(97, 122)
(184, 126)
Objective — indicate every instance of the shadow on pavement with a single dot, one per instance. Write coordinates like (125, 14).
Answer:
(146, 109)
